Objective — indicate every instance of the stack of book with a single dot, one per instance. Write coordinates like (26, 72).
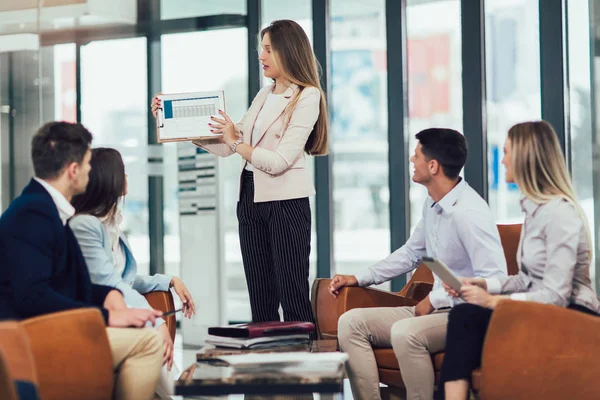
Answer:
(260, 335)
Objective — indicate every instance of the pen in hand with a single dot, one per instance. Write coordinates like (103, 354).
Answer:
(168, 313)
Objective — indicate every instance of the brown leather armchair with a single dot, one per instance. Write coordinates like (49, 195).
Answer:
(16, 359)
(7, 389)
(327, 310)
(164, 302)
(71, 354)
(67, 354)
(562, 364)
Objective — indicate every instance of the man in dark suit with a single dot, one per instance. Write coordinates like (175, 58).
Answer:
(42, 269)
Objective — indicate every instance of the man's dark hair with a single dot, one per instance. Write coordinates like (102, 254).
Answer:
(447, 146)
(106, 184)
(56, 145)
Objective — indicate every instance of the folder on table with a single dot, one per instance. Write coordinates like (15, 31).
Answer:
(263, 329)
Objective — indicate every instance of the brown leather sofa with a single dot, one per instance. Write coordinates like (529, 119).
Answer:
(67, 354)
(327, 310)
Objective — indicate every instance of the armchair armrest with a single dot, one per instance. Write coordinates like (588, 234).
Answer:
(17, 352)
(72, 355)
(418, 290)
(359, 297)
(324, 308)
(539, 351)
(327, 310)
(163, 301)
(7, 387)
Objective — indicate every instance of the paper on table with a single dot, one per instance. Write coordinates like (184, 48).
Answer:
(292, 358)
(241, 343)
(185, 116)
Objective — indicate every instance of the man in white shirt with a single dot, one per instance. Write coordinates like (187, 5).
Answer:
(457, 227)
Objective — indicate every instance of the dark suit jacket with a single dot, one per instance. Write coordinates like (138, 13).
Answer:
(42, 269)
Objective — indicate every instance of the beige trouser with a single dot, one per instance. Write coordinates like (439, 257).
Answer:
(412, 338)
(137, 360)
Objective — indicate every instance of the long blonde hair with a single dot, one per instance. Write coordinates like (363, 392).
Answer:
(297, 63)
(538, 166)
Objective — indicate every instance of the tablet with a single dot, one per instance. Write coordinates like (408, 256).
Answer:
(443, 272)
(185, 116)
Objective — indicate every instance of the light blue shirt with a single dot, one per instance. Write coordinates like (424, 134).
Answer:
(459, 230)
(96, 247)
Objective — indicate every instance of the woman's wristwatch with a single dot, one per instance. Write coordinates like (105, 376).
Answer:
(236, 143)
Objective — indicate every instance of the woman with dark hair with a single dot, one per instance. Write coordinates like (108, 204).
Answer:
(107, 253)
(286, 120)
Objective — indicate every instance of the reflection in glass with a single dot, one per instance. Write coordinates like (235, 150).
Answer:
(583, 145)
(434, 77)
(173, 9)
(299, 11)
(358, 101)
(513, 89)
(185, 71)
(65, 93)
(114, 109)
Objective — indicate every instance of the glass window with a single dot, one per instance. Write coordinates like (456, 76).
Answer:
(4, 139)
(299, 11)
(358, 101)
(116, 114)
(583, 142)
(27, 113)
(185, 71)
(64, 87)
(173, 9)
(513, 89)
(434, 77)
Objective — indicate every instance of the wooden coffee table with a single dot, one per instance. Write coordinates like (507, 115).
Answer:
(212, 377)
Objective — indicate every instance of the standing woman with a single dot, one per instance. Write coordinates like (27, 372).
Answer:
(554, 254)
(286, 120)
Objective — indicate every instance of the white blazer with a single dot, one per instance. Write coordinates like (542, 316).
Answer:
(278, 158)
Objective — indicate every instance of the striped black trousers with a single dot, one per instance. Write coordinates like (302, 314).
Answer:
(275, 243)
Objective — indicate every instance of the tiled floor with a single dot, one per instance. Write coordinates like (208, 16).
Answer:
(184, 357)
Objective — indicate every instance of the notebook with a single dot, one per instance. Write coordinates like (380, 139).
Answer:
(263, 329)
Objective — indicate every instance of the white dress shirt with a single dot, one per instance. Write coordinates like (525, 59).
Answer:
(459, 230)
(271, 99)
(65, 209)
(553, 258)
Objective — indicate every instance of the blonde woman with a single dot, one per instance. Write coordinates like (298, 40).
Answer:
(554, 254)
(286, 120)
